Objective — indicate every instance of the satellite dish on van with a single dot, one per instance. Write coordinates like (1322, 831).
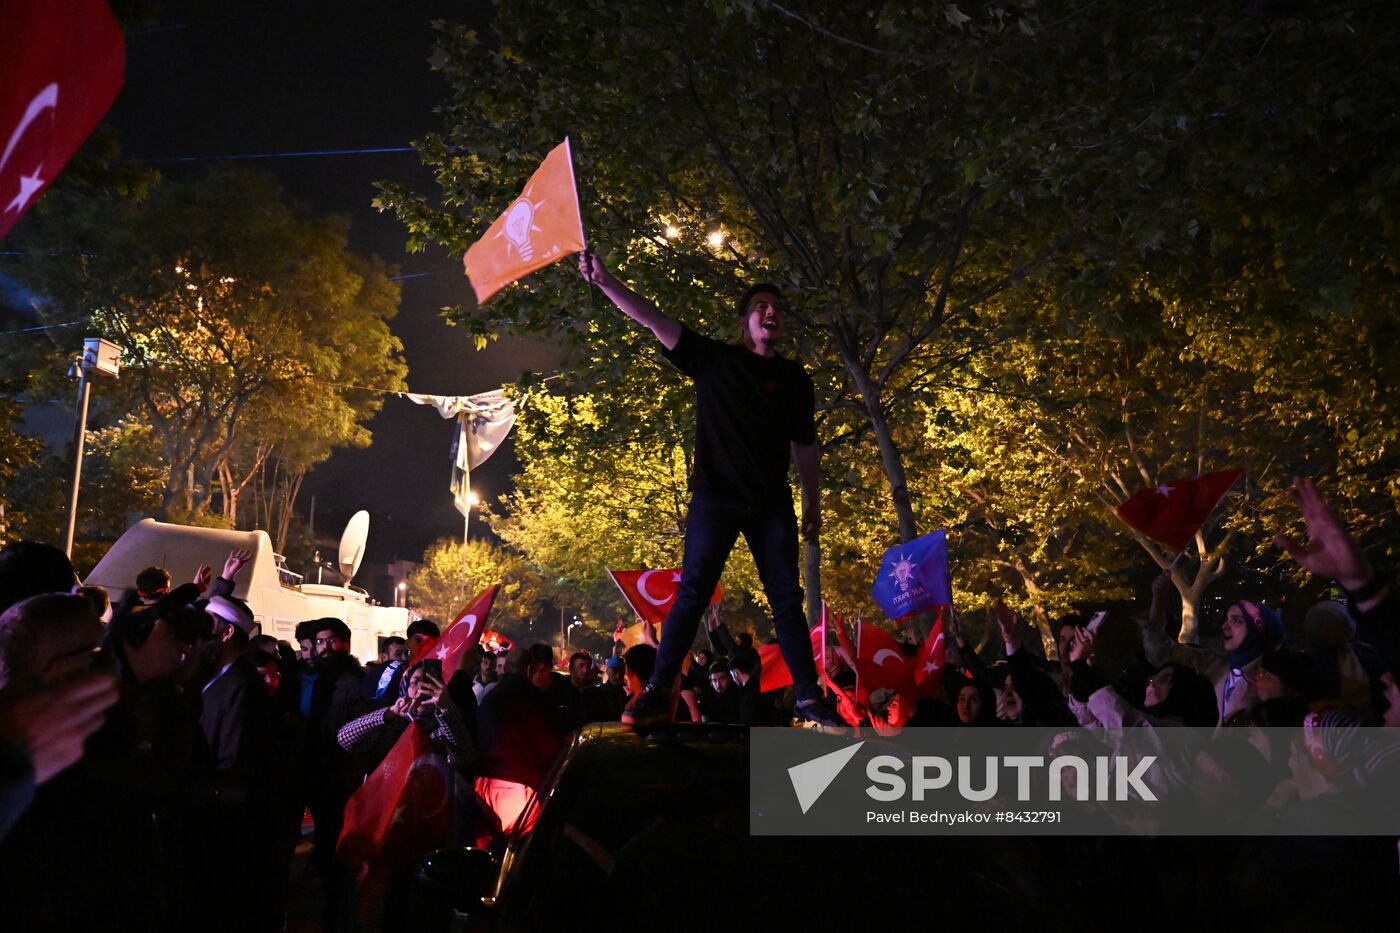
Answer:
(352, 544)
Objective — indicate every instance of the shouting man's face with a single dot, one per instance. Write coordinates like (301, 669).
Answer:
(764, 323)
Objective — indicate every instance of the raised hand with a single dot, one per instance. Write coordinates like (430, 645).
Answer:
(1081, 644)
(594, 272)
(432, 692)
(202, 576)
(236, 561)
(1330, 550)
(1010, 625)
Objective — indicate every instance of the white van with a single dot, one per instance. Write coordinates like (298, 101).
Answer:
(279, 599)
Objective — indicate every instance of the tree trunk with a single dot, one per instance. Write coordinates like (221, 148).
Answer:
(286, 499)
(812, 582)
(1039, 617)
(891, 458)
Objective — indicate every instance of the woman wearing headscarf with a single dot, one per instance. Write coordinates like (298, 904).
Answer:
(1250, 628)
(422, 699)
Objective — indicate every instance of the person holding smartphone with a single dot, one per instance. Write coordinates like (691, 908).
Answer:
(423, 698)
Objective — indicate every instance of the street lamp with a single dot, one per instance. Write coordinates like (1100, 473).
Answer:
(102, 357)
(401, 594)
(473, 500)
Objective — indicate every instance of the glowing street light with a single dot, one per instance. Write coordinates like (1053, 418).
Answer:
(716, 238)
(671, 232)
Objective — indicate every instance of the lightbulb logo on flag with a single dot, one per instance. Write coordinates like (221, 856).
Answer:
(520, 223)
(914, 576)
(541, 226)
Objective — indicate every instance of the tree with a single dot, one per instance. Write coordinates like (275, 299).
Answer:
(448, 571)
(856, 181)
(17, 451)
(940, 188)
(248, 331)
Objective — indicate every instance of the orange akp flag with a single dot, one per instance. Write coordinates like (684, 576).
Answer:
(541, 226)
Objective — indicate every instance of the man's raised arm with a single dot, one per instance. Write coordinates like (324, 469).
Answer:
(666, 328)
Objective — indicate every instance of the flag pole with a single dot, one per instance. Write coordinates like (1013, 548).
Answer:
(582, 232)
(466, 528)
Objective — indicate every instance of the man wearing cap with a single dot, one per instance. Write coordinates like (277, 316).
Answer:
(229, 822)
(235, 682)
(755, 413)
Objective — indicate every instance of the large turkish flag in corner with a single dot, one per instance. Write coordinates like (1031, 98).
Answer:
(61, 65)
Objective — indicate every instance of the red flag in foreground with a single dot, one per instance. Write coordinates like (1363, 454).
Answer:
(1174, 512)
(775, 674)
(462, 633)
(541, 226)
(61, 65)
(402, 811)
(651, 593)
(397, 816)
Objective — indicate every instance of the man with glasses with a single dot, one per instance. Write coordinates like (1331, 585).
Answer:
(755, 413)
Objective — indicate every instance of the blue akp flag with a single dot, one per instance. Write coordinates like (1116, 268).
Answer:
(914, 576)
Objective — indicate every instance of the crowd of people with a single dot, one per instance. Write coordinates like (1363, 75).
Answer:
(159, 756)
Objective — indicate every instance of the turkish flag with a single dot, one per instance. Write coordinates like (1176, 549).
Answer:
(775, 674)
(398, 815)
(541, 226)
(929, 662)
(773, 671)
(62, 63)
(462, 634)
(651, 593)
(495, 642)
(1174, 512)
(879, 661)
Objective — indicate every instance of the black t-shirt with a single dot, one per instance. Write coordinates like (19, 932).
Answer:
(749, 410)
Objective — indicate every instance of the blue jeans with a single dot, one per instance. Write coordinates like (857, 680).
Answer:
(711, 529)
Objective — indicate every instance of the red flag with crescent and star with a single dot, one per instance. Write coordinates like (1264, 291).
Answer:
(462, 633)
(540, 227)
(62, 63)
(1173, 512)
(651, 593)
(928, 663)
(879, 661)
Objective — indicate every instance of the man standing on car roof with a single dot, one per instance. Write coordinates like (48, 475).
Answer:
(753, 406)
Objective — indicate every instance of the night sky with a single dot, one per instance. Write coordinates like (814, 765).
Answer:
(218, 79)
